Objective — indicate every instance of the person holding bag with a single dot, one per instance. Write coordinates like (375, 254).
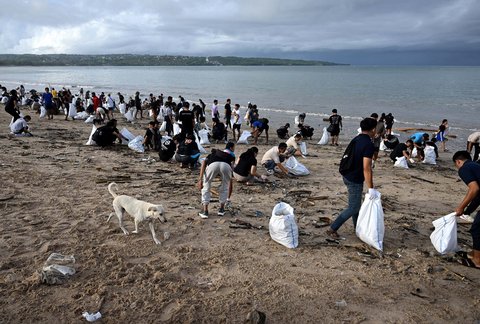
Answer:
(356, 168)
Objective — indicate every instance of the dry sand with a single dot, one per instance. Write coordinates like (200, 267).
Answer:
(54, 198)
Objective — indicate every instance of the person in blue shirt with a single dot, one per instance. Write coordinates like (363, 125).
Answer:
(361, 172)
(419, 140)
(469, 172)
(47, 99)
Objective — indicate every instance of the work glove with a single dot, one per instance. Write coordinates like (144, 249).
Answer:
(374, 194)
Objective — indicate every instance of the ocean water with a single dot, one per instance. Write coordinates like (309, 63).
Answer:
(417, 96)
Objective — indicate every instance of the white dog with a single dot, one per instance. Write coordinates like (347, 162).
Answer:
(140, 210)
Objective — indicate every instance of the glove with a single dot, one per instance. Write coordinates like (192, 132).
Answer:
(374, 194)
(411, 160)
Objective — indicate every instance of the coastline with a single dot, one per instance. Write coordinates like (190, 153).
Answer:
(55, 200)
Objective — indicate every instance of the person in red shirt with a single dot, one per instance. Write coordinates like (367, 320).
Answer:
(96, 101)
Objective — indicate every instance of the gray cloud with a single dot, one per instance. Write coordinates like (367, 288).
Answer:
(278, 28)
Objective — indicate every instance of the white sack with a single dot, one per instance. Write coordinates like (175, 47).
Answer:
(370, 227)
(430, 157)
(244, 137)
(4, 100)
(136, 144)
(401, 162)
(296, 168)
(130, 114)
(282, 226)
(200, 147)
(414, 153)
(163, 127)
(24, 101)
(43, 112)
(89, 120)
(444, 237)
(80, 115)
(90, 140)
(383, 147)
(303, 148)
(123, 108)
(126, 133)
(325, 137)
(203, 133)
(72, 111)
(176, 129)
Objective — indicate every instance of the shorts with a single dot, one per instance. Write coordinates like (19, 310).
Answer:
(237, 126)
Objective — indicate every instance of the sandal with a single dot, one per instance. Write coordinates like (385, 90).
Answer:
(468, 263)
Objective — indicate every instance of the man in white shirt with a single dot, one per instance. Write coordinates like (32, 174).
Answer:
(237, 121)
(271, 158)
(20, 126)
(215, 113)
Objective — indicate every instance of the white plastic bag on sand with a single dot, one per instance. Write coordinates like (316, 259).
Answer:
(80, 115)
(383, 147)
(370, 226)
(430, 157)
(89, 120)
(90, 140)
(122, 108)
(130, 114)
(444, 237)
(325, 137)
(200, 147)
(126, 133)
(282, 226)
(92, 317)
(296, 168)
(24, 101)
(414, 152)
(401, 162)
(136, 144)
(176, 129)
(303, 148)
(203, 133)
(244, 137)
(43, 112)
(4, 100)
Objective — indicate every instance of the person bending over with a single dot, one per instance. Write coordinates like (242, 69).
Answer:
(274, 158)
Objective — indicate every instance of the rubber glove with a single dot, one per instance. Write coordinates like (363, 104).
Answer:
(374, 194)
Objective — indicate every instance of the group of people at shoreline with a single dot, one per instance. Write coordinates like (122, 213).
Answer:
(224, 163)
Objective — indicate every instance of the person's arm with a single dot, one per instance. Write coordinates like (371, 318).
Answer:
(405, 154)
(367, 172)
(200, 177)
(281, 167)
(472, 192)
(340, 123)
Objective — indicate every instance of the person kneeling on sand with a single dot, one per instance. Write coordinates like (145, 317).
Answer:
(469, 172)
(245, 170)
(274, 157)
(292, 145)
(217, 163)
(20, 127)
(106, 135)
(187, 152)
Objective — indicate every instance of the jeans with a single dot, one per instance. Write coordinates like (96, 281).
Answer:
(354, 203)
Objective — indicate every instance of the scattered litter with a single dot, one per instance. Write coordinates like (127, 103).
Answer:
(341, 303)
(92, 317)
(57, 269)
(259, 213)
(166, 235)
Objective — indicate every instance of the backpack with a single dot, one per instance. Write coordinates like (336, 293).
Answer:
(348, 158)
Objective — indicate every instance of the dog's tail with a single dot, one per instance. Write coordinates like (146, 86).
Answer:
(110, 189)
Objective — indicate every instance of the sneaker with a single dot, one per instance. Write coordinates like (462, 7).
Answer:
(221, 212)
(203, 214)
(333, 234)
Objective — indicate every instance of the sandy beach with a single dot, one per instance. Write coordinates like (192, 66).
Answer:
(54, 198)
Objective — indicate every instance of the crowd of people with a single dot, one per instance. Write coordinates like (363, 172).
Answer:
(174, 127)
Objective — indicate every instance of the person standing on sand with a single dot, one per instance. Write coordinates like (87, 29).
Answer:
(215, 113)
(228, 114)
(217, 163)
(473, 142)
(47, 100)
(11, 106)
(138, 105)
(335, 126)
(441, 135)
(389, 120)
(354, 178)
(237, 122)
(469, 172)
(379, 134)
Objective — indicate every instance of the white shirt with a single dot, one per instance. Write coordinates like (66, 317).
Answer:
(214, 110)
(236, 116)
(18, 126)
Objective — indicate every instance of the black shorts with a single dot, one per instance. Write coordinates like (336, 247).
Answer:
(237, 126)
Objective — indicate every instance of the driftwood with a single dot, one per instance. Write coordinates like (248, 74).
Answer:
(421, 179)
(7, 198)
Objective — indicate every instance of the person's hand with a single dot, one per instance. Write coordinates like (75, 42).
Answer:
(458, 211)
(374, 194)
(200, 184)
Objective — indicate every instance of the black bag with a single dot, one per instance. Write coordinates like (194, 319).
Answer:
(348, 157)
(330, 128)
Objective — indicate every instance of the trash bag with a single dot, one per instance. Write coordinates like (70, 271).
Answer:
(444, 237)
(163, 127)
(130, 114)
(43, 112)
(430, 156)
(282, 226)
(303, 148)
(200, 147)
(72, 111)
(122, 108)
(414, 152)
(325, 137)
(401, 162)
(136, 144)
(126, 133)
(203, 133)
(244, 137)
(383, 147)
(89, 120)
(370, 227)
(176, 129)
(80, 115)
(90, 140)
(296, 168)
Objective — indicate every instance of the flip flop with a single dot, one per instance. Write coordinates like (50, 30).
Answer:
(468, 263)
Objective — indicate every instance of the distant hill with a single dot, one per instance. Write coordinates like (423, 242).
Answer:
(142, 60)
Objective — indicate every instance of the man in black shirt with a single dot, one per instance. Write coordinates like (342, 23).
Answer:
(402, 149)
(187, 118)
(228, 113)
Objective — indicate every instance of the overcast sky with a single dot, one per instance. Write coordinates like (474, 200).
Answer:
(445, 32)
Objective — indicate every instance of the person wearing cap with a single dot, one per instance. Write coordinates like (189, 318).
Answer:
(335, 126)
